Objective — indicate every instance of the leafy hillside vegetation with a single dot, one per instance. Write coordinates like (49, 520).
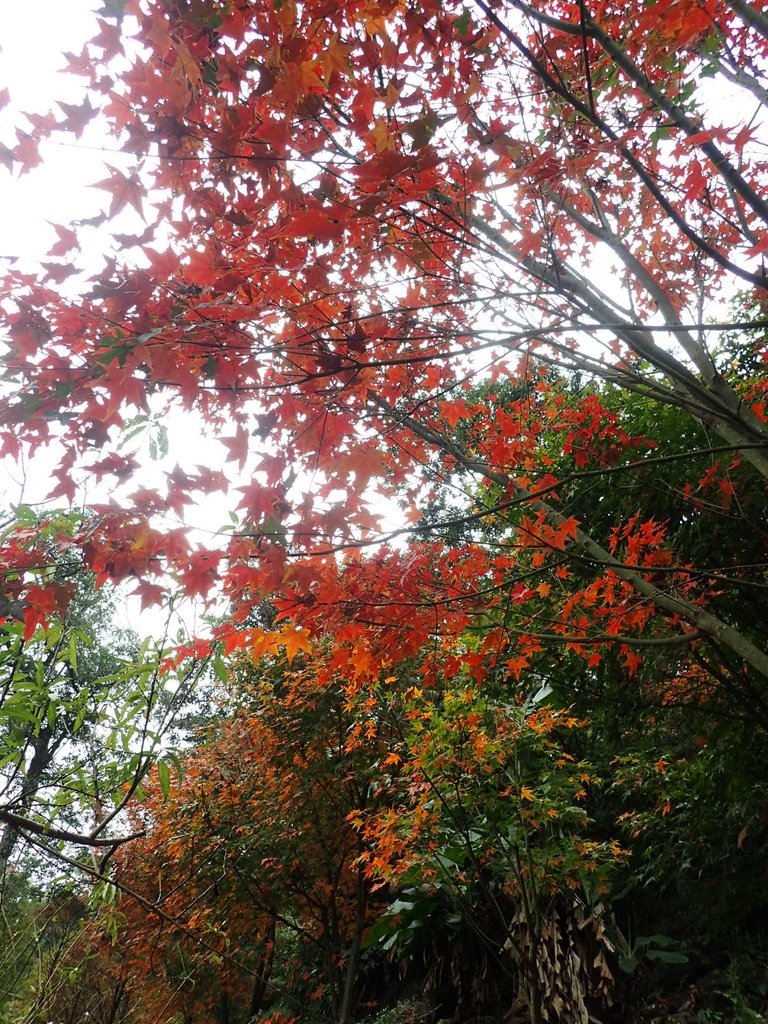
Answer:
(470, 303)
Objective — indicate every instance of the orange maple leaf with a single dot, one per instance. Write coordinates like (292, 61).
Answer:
(263, 643)
(294, 639)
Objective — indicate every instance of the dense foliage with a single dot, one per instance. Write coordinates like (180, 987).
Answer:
(463, 268)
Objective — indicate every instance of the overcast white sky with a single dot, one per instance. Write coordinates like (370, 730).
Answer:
(33, 37)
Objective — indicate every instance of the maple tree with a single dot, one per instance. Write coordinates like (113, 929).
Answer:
(487, 816)
(468, 260)
(266, 856)
(374, 199)
(266, 874)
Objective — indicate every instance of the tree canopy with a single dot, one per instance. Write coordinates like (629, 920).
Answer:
(471, 299)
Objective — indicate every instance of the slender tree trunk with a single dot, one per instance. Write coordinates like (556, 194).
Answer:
(43, 750)
(264, 973)
(223, 1004)
(7, 843)
(119, 996)
(348, 997)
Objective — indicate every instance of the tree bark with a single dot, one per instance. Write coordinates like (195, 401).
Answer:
(350, 979)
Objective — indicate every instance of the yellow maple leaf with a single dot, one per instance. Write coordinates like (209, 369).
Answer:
(382, 136)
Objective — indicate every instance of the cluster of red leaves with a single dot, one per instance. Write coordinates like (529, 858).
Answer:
(335, 180)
